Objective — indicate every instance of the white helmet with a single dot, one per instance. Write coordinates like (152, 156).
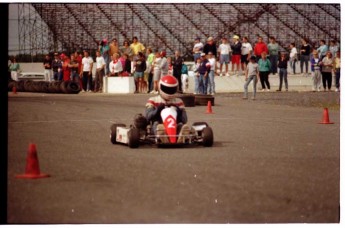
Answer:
(168, 87)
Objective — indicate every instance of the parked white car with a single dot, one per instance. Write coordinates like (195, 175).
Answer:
(34, 76)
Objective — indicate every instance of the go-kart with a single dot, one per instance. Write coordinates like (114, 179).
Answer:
(141, 132)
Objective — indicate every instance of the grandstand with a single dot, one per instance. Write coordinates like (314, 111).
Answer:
(174, 26)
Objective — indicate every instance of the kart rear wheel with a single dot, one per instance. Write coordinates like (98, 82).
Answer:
(113, 132)
(133, 138)
(207, 137)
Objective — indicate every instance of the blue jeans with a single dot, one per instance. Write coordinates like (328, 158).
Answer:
(58, 76)
(273, 59)
(305, 60)
(255, 80)
(283, 75)
(196, 56)
(337, 78)
(293, 65)
(211, 86)
(196, 84)
(203, 82)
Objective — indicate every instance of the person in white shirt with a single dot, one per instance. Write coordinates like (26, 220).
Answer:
(100, 66)
(224, 50)
(115, 66)
(246, 53)
(211, 85)
(197, 49)
(86, 72)
(293, 57)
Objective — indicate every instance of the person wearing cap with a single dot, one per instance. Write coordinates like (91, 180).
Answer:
(251, 74)
(236, 48)
(47, 64)
(137, 47)
(224, 51)
(197, 49)
(203, 70)
(57, 67)
(211, 85)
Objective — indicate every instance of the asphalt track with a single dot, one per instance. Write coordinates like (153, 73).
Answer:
(270, 163)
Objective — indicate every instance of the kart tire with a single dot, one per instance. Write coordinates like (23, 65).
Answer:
(133, 138)
(207, 137)
(113, 132)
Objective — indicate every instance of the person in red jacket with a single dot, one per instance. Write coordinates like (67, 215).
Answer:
(65, 69)
(259, 48)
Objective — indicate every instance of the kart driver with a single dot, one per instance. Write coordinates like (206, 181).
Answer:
(168, 86)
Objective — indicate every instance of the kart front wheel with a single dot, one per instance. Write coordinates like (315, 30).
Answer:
(207, 137)
(113, 132)
(133, 138)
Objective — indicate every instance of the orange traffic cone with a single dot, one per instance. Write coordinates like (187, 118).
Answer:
(32, 170)
(325, 117)
(209, 108)
(14, 90)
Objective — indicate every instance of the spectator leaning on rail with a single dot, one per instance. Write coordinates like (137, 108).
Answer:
(47, 64)
(260, 47)
(236, 47)
(273, 54)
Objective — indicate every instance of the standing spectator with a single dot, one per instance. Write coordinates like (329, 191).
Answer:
(197, 49)
(57, 67)
(105, 52)
(251, 73)
(184, 77)
(177, 68)
(14, 68)
(211, 46)
(126, 49)
(204, 70)
(273, 54)
(164, 64)
(305, 55)
(264, 71)
(74, 68)
(322, 49)
(224, 50)
(149, 62)
(78, 57)
(113, 47)
(86, 74)
(333, 48)
(126, 67)
(260, 47)
(115, 66)
(100, 66)
(140, 67)
(315, 63)
(66, 71)
(236, 48)
(282, 66)
(156, 65)
(211, 88)
(170, 66)
(47, 64)
(293, 57)
(337, 65)
(196, 66)
(246, 53)
(136, 46)
(326, 71)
